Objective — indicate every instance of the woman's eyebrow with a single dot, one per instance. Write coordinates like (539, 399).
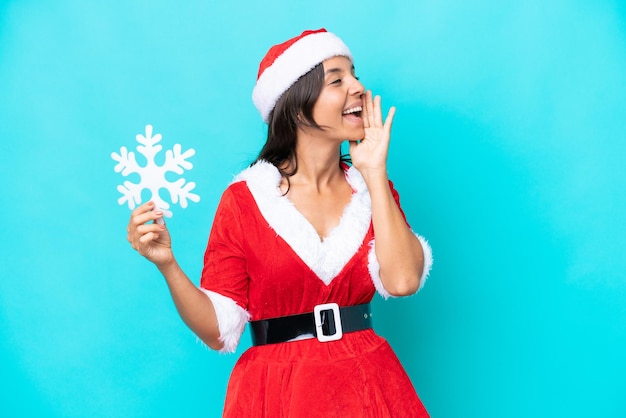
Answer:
(337, 70)
(333, 71)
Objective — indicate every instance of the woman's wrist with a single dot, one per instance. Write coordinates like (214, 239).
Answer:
(168, 267)
(375, 176)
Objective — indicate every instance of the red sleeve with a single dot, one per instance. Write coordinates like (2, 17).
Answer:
(225, 269)
(396, 197)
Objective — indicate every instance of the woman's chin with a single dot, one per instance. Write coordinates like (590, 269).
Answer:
(357, 136)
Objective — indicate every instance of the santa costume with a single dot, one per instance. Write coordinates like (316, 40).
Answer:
(265, 263)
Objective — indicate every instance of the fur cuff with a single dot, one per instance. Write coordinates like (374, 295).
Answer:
(231, 320)
(374, 267)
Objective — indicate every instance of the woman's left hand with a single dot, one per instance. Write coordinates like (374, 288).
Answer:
(370, 153)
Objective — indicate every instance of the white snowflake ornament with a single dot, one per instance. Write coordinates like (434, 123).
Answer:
(153, 176)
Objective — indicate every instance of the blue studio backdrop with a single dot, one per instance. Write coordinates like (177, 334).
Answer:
(508, 150)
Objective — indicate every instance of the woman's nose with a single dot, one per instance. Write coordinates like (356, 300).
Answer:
(356, 88)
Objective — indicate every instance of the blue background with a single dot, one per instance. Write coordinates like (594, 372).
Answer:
(508, 150)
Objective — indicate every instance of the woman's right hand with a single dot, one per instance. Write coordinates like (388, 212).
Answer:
(149, 238)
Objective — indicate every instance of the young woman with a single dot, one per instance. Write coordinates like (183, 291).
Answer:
(300, 243)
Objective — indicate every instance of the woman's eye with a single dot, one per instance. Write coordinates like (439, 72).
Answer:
(338, 81)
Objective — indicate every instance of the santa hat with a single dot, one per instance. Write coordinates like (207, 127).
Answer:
(285, 63)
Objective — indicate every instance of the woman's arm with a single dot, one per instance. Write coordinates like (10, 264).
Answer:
(399, 252)
(152, 240)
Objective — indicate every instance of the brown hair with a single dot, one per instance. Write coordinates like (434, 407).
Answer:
(293, 110)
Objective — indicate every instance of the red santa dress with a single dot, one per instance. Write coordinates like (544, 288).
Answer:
(265, 260)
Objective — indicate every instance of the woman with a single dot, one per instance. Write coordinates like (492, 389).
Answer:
(292, 249)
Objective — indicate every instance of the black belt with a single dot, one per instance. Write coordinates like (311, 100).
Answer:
(328, 322)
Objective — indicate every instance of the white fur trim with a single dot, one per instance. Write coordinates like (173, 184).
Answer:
(231, 320)
(374, 267)
(428, 259)
(292, 64)
(328, 257)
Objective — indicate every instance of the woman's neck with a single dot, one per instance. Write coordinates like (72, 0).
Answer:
(318, 164)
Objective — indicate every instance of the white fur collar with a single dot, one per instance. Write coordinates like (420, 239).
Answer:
(326, 258)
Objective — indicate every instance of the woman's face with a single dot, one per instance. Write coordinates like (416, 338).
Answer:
(338, 107)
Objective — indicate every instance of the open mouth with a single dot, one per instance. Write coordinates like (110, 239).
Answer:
(356, 111)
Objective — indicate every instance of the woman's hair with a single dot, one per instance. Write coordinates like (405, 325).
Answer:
(293, 110)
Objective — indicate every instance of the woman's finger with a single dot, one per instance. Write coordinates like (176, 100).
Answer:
(389, 119)
(139, 220)
(150, 227)
(146, 207)
(369, 109)
(149, 237)
(140, 215)
(377, 113)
